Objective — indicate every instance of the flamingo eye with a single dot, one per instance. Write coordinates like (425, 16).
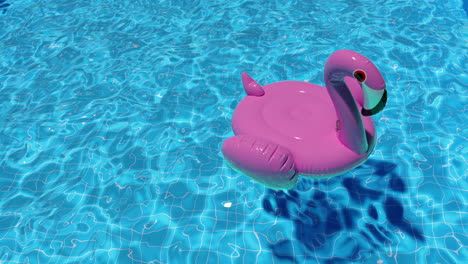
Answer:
(360, 75)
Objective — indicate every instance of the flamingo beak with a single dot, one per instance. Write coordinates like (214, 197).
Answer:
(378, 107)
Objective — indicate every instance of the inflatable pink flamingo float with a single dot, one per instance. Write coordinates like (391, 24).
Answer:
(293, 128)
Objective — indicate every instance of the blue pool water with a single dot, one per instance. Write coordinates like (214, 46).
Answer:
(112, 115)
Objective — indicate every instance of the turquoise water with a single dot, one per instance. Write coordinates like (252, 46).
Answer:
(112, 115)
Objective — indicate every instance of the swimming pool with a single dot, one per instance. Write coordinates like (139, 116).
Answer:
(113, 114)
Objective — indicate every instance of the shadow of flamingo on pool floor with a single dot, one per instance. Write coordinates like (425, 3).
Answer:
(3, 6)
(319, 218)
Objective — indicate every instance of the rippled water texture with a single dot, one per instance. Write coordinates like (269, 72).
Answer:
(113, 113)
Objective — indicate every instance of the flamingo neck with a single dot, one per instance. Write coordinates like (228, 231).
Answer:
(350, 127)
